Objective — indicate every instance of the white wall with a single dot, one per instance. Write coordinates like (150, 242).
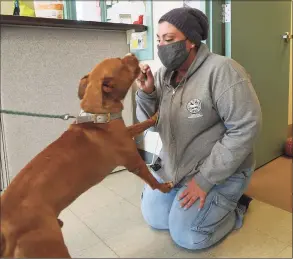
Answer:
(152, 141)
(88, 10)
(159, 9)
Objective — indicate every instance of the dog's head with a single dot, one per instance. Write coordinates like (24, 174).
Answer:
(103, 89)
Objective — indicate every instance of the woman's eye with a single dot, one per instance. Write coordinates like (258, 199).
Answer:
(165, 40)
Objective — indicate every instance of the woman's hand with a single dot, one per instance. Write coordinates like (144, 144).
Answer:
(145, 80)
(191, 194)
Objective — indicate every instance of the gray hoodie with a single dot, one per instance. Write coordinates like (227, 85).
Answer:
(208, 124)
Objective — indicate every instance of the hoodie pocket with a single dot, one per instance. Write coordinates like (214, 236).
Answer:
(214, 215)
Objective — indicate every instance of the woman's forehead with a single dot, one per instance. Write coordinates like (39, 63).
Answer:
(166, 28)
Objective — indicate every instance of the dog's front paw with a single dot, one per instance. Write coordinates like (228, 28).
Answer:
(155, 117)
(166, 187)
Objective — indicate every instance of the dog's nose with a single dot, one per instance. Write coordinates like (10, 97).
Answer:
(129, 54)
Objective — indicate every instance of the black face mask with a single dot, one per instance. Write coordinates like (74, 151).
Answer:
(173, 55)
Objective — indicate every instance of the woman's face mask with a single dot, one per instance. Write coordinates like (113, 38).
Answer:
(173, 55)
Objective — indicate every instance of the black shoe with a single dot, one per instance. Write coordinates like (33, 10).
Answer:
(245, 200)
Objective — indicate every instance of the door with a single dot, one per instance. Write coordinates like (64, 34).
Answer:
(254, 39)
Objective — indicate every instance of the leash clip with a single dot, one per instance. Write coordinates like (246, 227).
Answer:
(67, 117)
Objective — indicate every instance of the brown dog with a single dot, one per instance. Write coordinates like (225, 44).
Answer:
(82, 157)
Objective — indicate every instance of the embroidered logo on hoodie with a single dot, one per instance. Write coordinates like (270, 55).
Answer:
(194, 107)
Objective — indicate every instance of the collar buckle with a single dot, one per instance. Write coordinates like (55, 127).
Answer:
(101, 118)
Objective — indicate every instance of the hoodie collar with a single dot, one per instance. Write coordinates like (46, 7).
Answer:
(201, 55)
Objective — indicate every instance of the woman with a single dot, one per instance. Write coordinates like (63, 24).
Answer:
(209, 118)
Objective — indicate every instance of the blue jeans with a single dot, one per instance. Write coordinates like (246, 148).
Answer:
(192, 228)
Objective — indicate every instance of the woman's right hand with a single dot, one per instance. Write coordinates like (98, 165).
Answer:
(145, 80)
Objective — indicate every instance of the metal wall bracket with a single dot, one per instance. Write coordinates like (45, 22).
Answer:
(226, 13)
(287, 36)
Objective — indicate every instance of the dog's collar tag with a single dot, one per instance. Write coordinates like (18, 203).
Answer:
(97, 118)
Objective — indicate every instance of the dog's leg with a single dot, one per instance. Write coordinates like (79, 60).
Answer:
(138, 128)
(143, 172)
(3, 245)
(42, 243)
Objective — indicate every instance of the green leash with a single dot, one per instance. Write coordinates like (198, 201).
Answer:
(51, 116)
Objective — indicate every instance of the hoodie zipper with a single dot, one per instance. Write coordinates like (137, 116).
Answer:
(203, 53)
(172, 132)
(171, 128)
(170, 113)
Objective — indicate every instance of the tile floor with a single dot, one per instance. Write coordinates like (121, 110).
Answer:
(105, 222)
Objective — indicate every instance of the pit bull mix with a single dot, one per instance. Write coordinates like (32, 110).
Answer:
(83, 156)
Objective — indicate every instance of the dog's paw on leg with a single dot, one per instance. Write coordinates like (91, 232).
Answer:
(165, 187)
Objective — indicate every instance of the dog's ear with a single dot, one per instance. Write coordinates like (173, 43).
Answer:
(93, 98)
(101, 96)
(82, 86)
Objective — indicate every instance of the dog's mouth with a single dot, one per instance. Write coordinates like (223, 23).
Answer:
(107, 84)
(107, 88)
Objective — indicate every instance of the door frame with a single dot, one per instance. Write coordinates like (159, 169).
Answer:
(216, 40)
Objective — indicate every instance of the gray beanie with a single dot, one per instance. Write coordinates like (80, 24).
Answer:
(192, 22)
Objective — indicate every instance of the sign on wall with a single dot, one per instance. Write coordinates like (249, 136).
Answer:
(192, 3)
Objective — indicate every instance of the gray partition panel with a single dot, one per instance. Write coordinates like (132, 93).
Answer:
(40, 72)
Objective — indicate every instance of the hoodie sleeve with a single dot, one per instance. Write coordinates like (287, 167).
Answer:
(239, 108)
(147, 104)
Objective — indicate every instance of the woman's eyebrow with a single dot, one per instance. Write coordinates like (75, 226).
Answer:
(167, 34)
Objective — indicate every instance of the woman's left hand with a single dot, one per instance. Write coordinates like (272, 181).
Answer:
(191, 194)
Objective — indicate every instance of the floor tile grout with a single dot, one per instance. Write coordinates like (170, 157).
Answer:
(288, 246)
(271, 236)
(95, 234)
(121, 196)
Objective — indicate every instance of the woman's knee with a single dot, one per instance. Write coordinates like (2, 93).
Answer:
(195, 230)
(192, 240)
(196, 239)
(155, 207)
(154, 216)
(154, 220)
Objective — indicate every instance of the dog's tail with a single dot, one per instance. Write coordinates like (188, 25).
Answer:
(2, 244)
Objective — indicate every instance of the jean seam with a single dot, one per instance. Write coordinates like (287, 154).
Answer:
(203, 241)
(233, 198)
(203, 217)
(218, 204)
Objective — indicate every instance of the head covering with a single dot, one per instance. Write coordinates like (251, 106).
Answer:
(192, 22)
